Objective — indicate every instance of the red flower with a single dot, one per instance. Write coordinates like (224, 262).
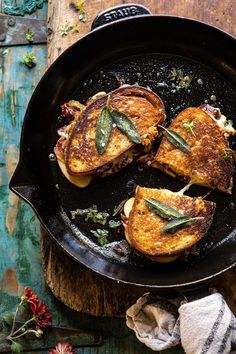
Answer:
(29, 296)
(41, 314)
(62, 348)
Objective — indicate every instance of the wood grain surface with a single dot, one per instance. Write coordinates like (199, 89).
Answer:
(215, 12)
(89, 292)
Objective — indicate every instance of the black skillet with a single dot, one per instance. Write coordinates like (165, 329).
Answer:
(128, 45)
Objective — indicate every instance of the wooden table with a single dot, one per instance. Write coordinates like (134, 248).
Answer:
(19, 250)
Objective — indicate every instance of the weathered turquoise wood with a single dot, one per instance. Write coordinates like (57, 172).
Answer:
(19, 236)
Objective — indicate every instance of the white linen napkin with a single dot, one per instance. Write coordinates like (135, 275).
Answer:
(205, 326)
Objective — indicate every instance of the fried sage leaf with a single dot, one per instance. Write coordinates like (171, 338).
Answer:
(126, 126)
(103, 130)
(113, 224)
(162, 209)
(119, 207)
(173, 225)
(101, 236)
(177, 140)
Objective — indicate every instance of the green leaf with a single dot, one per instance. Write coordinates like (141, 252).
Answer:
(29, 60)
(84, 212)
(91, 213)
(126, 126)
(162, 209)
(103, 130)
(16, 347)
(100, 217)
(101, 235)
(119, 207)
(114, 224)
(189, 126)
(173, 225)
(29, 35)
(182, 80)
(8, 319)
(177, 140)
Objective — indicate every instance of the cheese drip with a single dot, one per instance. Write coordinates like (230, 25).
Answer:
(78, 181)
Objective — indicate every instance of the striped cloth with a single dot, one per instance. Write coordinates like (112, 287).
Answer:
(205, 326)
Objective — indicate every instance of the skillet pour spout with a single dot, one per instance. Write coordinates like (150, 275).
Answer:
(26, 186)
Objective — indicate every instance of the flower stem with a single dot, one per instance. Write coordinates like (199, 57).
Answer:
(13, 337)
(12, 334)
(14, 318)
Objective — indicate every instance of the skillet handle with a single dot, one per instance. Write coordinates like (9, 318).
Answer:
(119, 12)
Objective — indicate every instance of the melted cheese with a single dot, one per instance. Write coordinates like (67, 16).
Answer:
(78, 181)
(164, 259)
(128, 206)
(224, 124)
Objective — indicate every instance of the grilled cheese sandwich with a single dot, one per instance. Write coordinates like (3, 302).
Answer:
(210, 162)
(143, 227)
(76, 148)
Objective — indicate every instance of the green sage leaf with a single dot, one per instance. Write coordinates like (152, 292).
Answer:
(162, 209)
(126, 126)
(177, 140)
(119, 207)
(100, 217)
(16, 347)
(173, 225)
(88, 212)
(103, 130)
(114, 224)
(8, 319)
(101, 236)
(92, 214)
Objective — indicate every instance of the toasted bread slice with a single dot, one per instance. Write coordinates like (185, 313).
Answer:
(142, 106)
(143, 227)
(71, 111)
(210, 161)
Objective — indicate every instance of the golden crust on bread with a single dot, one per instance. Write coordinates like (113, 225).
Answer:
(206, 164)
(143, 228)
(71, 111)
(144, 108)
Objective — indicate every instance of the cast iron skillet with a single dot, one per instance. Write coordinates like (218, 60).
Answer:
(138, 49)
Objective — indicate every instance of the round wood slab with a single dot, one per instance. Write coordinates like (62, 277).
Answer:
(76, 286)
